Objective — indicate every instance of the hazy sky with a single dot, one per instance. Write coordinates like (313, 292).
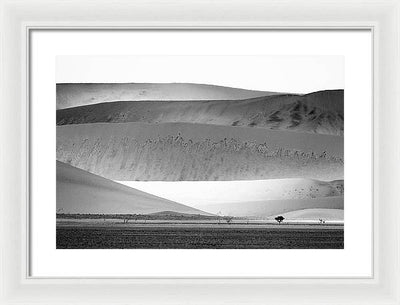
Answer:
(295, 74)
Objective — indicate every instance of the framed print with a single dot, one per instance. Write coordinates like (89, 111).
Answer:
(240, 155)
(173, 156)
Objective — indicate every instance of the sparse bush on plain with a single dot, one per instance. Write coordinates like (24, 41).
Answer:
(279, 219)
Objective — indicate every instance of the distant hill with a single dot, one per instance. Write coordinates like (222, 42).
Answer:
(72, 95)
(320, 112)
(81, 192)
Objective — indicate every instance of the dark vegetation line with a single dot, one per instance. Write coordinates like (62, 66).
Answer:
(161, 216)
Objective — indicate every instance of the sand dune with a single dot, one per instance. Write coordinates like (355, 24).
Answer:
(189, 148)
(82, 192)
(191, 152)
(319, 112)
(72, 95)
(199, 193)
(274, 207)
(315, 214)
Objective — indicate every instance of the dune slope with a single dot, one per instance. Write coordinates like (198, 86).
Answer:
(274, 207)
(198, 193)
(191, 152)
(319, 112)
(72, 95)
(82, 192)
(315, 214)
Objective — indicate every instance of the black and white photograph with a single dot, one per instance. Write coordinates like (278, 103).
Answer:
(239, 161)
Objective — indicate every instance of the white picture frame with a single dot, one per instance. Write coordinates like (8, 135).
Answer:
(18, 18)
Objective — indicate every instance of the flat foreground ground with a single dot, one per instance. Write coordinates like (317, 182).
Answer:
(199, 236)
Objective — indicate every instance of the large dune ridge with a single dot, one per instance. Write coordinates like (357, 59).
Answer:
(81, 192)
(320, 112)
(268, 208)
(79, 94)
(199, 193)
(191, 152)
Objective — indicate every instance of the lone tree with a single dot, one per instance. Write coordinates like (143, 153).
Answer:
(279, 219)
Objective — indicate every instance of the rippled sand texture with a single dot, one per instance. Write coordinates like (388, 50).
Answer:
(319, 112)
(179, 152)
